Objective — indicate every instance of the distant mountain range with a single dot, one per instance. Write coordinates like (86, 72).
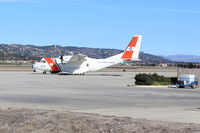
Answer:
(31, 52)
(183, 58)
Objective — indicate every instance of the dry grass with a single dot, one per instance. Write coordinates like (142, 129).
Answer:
(43, 121)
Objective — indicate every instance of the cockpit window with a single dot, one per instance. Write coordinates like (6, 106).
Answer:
(42, 60)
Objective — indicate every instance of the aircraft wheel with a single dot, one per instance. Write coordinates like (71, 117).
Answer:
(34, 70)
(44, 72)
(193, 86)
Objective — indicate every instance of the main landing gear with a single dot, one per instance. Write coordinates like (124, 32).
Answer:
(79, 74)
(44, 72)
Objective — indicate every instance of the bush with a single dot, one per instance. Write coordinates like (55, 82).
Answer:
(174, 80)
(143, 79)
(151, 79)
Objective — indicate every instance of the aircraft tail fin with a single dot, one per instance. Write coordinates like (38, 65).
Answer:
(131, 53)
(133, 49)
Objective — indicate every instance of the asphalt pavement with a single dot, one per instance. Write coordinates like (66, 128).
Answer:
(99, 92)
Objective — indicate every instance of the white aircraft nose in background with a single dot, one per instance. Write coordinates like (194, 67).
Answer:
(34, 66)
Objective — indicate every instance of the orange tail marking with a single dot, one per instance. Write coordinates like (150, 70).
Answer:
(133, 42)
(129, 51)
(127, 55)
(52, 64)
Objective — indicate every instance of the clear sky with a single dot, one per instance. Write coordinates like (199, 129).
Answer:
(168, 26)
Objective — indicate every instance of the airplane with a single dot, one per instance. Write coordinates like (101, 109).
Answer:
(80, 64)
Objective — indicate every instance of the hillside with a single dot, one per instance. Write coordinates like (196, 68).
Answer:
(149, 58)
(183, 58)
(27, 52)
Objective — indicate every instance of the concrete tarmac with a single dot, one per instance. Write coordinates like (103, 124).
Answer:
(99, 92)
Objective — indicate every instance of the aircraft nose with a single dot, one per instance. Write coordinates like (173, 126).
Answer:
(34, 66)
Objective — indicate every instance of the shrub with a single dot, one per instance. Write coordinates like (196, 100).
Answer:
(151, 79)
(143, 79)
(174, 80)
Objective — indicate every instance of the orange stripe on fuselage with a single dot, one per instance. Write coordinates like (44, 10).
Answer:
(127, 55)
(133, 42)
(52, 64)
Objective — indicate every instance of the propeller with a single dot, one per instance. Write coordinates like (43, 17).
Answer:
(62, 54)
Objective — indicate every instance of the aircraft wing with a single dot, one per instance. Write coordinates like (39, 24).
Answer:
(74, 64)
(78, 58)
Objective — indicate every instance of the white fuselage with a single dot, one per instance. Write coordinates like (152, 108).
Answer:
(76, 67)
(90, 64)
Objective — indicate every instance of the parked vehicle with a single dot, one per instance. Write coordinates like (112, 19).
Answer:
(187, 80)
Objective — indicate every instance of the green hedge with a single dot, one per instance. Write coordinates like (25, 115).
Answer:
(152, 79)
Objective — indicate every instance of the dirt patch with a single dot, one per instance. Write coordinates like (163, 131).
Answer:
(48, 121)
